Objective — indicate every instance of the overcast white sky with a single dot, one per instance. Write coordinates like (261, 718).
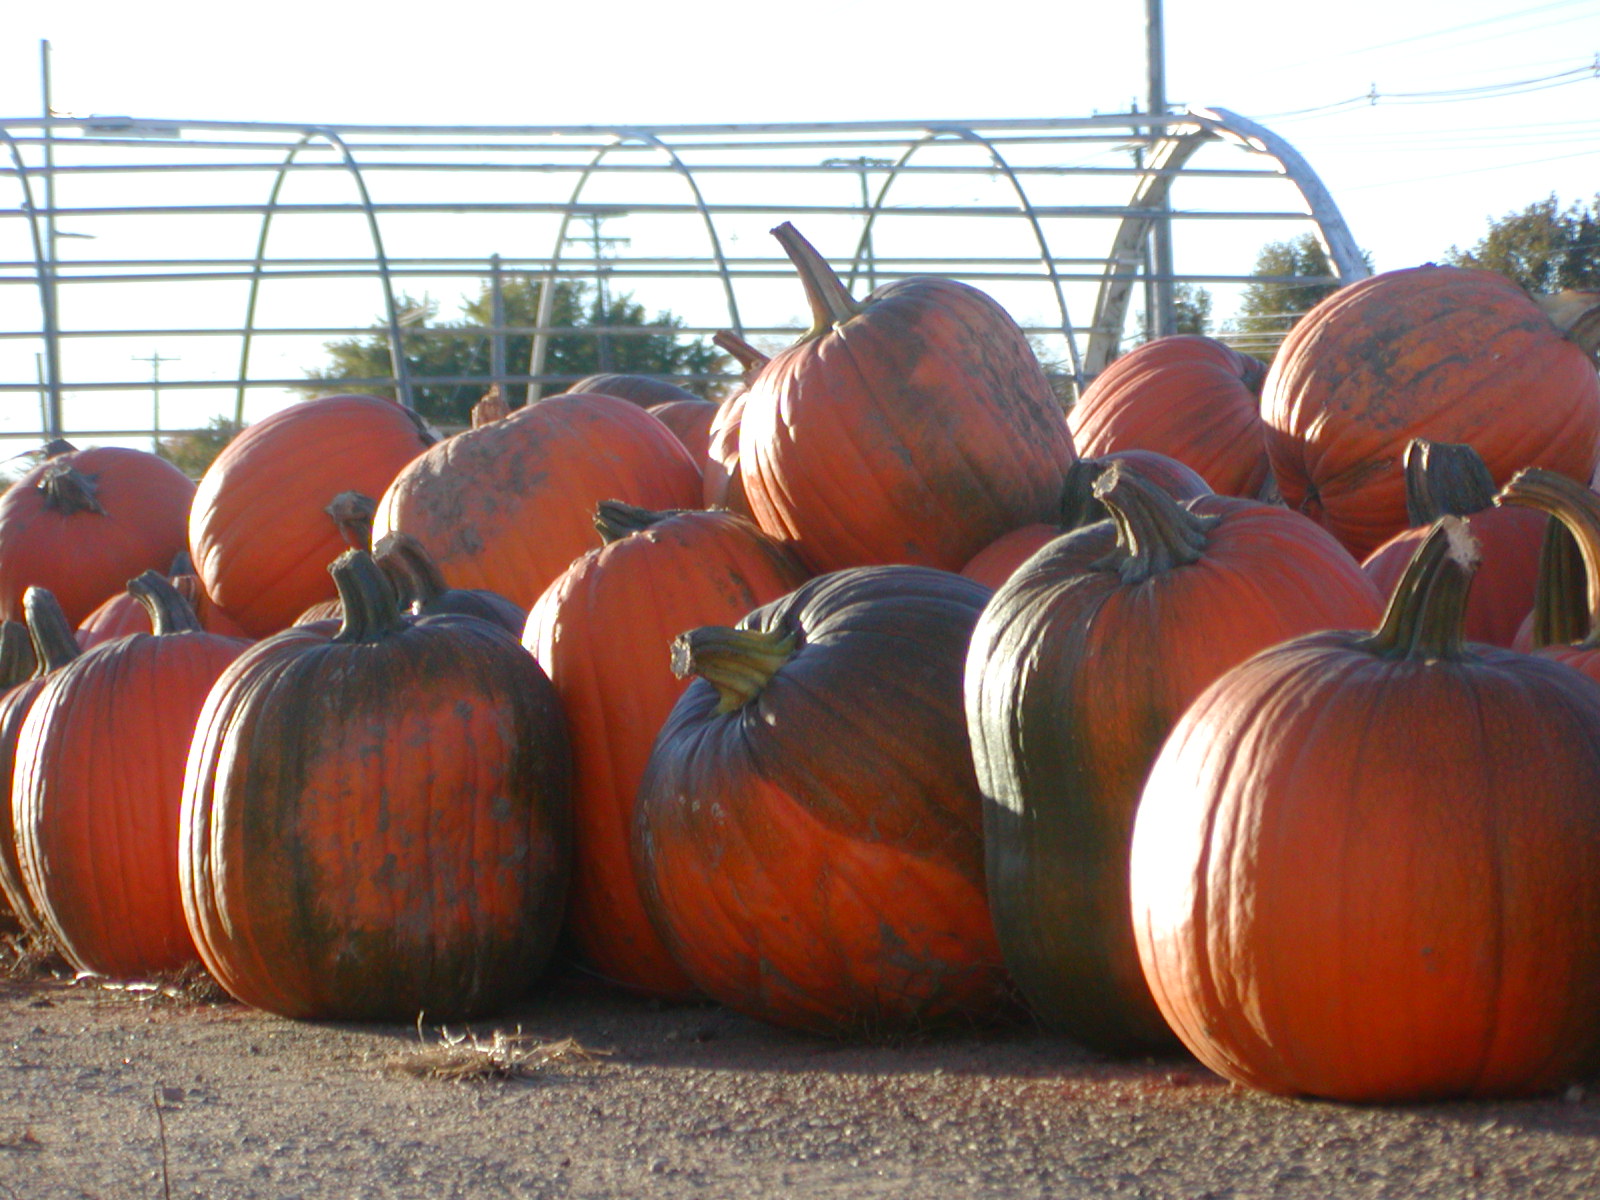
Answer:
(1483, 106)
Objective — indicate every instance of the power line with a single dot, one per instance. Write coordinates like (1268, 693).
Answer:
(1590, 70)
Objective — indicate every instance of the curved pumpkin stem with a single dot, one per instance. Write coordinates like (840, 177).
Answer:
(1445, 479)
(1556, 621)
(352, 512)
(750, 359)
(17, 663)
(368, 601)
(54, 642)
(1426, 613)
(412, 573)
(169, 611)
(739, 663)
(1577, 315)
(68, 490)
(616, 519)
(490, 408)
(830, 303)
(1154, 532)
(1079, 505)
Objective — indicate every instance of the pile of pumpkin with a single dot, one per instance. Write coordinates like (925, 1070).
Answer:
(891, 695)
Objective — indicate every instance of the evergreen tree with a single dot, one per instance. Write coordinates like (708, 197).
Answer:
(1269, 309)
(1544, 248)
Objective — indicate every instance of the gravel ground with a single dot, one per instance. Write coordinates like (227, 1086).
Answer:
(113, 1094)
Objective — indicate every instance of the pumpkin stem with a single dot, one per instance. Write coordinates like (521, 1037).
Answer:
(68, 490)
(1445, 479)
(415, 577)
(750, 359)
(169, 611)
(1079, 506)
(54, 643)
(831, 304)
(371, 610)
(1577, 315)
(1557, 620)
(352, 512)
(1424, 619)
(492, 407)
(1154, 532)
(616, 519)
(739, 663)
(17, 662)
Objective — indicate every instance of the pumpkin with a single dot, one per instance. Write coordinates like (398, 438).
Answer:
(642, 390)
(723, 485)
(1449, 354)
(289, 494)
(1451, 480)
(807, 835)
(375, 816)
(54, 647)
(508, 506)
(123, 613)
(83, 522)
(915, 426)
(1079, 667)
(993, 564)
(1366, 866)
(422, 590)
(603, 632)
(1189, 397)
(97, 786)
(690, 422)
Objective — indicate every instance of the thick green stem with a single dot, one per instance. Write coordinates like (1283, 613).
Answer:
(412, 573)
(1445, 479)
(352, 512)
(169, 611)
(1154, 532)
(68, 490)
(368, 601)
(17, 663)
(54, 642)
(739, 663)
(831, 304)
(1424, 620)
(1578, 510)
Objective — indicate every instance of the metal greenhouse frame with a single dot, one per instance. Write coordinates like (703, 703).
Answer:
(197, 224)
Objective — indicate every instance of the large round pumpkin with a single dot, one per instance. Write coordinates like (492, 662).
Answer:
(509, 505)
(1082, 662)
(1189, 397)
(375, 816)
(1366, 866)
(603, 632)
(808, 831)
(285, 498)
(98, 783)
(84, 522)
(1443, 353)
(915, 426)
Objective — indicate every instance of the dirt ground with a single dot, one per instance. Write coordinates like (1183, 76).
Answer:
(120, 1094)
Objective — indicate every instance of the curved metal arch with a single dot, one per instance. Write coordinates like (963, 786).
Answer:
(1045, 257)
(397, 359)
(1167, 159)
(43, 275)
(547, 293)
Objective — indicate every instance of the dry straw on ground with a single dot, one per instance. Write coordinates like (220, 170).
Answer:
(467, 1057)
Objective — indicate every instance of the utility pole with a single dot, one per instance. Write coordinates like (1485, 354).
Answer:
(1163, 321)
(596, 218)
(155, 360)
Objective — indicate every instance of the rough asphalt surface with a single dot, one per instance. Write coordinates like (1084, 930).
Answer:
(125, 1095)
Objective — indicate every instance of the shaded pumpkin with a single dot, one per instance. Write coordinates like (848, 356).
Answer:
(285, 498)
(1189, 397)
(422, 591)
(83, 522)
(723, 484)
(690, 422)
(98, 783)
(603, 632)
(1366, 866)
(807, 836)
(1081, 664)
(645, 391)
(915, 426)
(396, 838)
(1449, 354)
